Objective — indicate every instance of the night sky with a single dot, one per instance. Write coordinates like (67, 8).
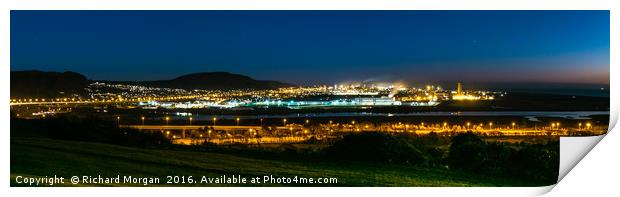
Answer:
(318, 47)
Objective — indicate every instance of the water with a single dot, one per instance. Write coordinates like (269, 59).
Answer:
(531, 115)
(571, 92)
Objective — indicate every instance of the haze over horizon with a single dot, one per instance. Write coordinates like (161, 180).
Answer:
(318, 47)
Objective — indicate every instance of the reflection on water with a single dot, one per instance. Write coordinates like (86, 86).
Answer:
(531, 115)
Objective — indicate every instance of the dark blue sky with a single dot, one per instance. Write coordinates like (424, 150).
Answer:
(314, 47)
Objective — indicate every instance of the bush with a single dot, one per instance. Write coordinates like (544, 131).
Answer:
(466, 152)
(91, 129)
(538, 162)
(375, 147)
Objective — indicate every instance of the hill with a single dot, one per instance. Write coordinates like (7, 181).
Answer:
(38, 157)
(92, 146)
(40, 84)
(214, 81)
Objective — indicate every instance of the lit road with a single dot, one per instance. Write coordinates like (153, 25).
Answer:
(181, 134)
(188, 127)
(65, 102)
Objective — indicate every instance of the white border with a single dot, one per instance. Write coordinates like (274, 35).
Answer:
(609, 152)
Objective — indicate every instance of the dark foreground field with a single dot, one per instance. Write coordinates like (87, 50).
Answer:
(48, 157)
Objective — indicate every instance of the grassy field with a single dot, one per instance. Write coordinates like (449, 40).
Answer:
(46, 157)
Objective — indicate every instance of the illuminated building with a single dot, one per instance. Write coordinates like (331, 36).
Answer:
(471, 96)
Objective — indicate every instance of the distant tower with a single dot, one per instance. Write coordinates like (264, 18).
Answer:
(459, 88)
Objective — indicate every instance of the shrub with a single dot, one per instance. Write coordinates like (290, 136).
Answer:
(375, 147)
(90, 129)
(538, 162)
